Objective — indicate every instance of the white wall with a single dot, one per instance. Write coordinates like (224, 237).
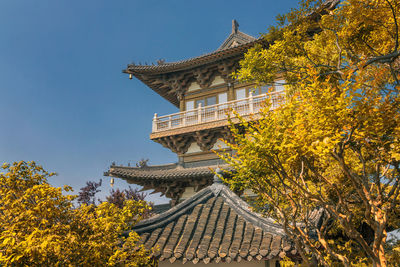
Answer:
(194, 86)
(217, 80)
(193, 148)
(189, 191)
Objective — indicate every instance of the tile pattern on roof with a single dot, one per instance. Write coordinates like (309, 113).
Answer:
(167, 67)
(236, 39)
(235, 42)
(167, 172)
(213, 225)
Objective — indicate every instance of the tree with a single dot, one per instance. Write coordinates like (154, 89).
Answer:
(325, 164)
(41, 227)
(87, 194)
(118, 197)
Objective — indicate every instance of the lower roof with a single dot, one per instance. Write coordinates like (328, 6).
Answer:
(213, 225)
(160, 173)
(169, 180)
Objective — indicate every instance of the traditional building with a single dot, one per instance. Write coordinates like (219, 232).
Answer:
(208, 223)
(215, 226)
(205, 93)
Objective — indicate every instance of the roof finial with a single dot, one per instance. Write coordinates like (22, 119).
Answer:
(218, 173)
(235, 26)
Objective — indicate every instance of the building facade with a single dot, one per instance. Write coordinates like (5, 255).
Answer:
(205, 223)
(206, 94)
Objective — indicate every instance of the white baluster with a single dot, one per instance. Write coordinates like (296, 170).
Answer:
(199, 113)
(169, 122)
(155, 128)
(183, 118)
(251, 103)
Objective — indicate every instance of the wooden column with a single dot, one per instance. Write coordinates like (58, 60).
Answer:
(231, 92)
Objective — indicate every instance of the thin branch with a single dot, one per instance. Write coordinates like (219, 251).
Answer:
(395, 25)
(388, 58)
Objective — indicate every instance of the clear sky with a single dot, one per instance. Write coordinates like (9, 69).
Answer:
(64, 101)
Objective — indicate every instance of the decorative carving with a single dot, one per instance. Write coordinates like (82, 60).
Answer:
(179, 84)
(161, 61)
(205, 139)
(235, 26)
(227, 135)
(166, 142)
(204, 77)
(226, 68)
(177, 143)
(174, 189)
(175, 193)
(160, 80)
(142, 163)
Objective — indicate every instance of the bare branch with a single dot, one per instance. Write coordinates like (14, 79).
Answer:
(395, 25)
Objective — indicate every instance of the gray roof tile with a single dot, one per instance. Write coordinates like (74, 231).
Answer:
(211, 226)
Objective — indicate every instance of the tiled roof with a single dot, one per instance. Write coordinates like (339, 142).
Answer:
(192, 62)
(211, 226)
(235, 39)
(156, 76)
(160, 173)
(160, 208)
(235, 44)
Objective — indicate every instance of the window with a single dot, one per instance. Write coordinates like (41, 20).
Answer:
(279, 85)
(222, 98)
(207, 101)
(240, 93)
(189, 105)
(212, 100)
(200, 102)
(264, 89)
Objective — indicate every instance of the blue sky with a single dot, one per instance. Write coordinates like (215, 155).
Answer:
(64, 101)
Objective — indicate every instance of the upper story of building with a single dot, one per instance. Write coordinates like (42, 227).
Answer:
(205, 92)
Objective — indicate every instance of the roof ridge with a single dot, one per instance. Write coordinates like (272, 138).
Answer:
(171, 214)
(213, 225)
(243, 209)
(163, 167)
(241, 36)
(214, 190)
(132, 67)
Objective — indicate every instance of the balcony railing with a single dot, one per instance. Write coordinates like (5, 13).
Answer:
(200, 115)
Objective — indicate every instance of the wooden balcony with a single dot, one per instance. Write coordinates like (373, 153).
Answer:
(214, 113)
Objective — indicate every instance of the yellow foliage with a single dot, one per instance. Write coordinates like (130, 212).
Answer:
(41, 227)
(334, 145)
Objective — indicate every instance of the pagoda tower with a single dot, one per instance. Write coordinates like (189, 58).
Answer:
(205, 93)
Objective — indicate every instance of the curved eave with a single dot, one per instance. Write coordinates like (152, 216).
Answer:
(148, 175)
(189, 63)
(146, 73)
(164, 92)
